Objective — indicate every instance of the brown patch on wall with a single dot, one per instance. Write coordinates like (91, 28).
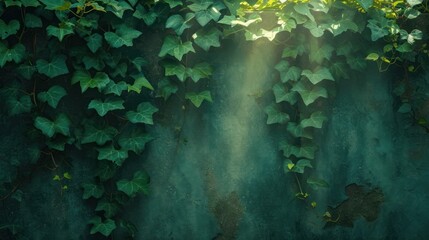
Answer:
(227, 210)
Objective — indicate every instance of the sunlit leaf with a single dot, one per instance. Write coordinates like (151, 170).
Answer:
(143, 114)
(139, 83)
(318, 75)
(52, 96)
(200, 70)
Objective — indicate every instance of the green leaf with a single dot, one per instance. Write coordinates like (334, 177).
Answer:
(283, 95)
(98, 135)
(207, 38)
(411, 13)
(200, 5)
(105, 228)
(309, 93)
(52, 96)
(109, 208)
(287, 72)
(134, 140)
(318, 54)
(198, 98)
(148, 16)
(92, 190)
(49, 128)
(139, 183)
(60, 32)
(115, 88)
(123, 36)
(300, 165)
(103, 107)
(140, 82)
(317, 183)
(8, 29)
(378, 29)
(26, 70)
(315, 30)
(338, 27)
(203, 17)
(405, 108)
(372, 57)
(30, 3)
(315, 120)
(117, 7)
(318, 76)
(106, 170)
(32, 21)
(99, 81)
(365, 4)
(414, 2)
(173, 3)
(112, 154)
(172, 45)
(55, 68)
(94, 42)
(143, 114)
(275, 115)
(16, 54)
(175, 69)
(200, 70)
(19, 105)
(166, 89)
(297, 131)
(303, 9)
(55, 4)
(179, 24)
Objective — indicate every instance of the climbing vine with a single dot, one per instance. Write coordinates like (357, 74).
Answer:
(87, 77)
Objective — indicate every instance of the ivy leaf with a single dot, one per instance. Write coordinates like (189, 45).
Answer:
(378, 29)
(115, 88)
(166, 89)
(104, 228)
(205, 16)
(315, 30)
(134, 140)
(318, 76)
(298, 167)
(16, 53)
(309, 93)
(287, 72)
(143, 114)
(317, 183)
(282, 95)
(123, 35)
(175, 69)
(140, 82)
(106, 170)
(200, 70)
(54, 68)
(414, 2)
(339, 70)
(174, 3)
(112, 154)
(365, 4)
(318, 54)
(275, 115)
(56, 4)
(98, 135)
(103, 107)
(30, 3)
(49, 128)
(303, 9)
(109, 208)
(200, 5)
(8, 29)
(52, 96)
(19, 105)
(315, 120)
(117, 7)
(139, 183)
(207, 38)
(99, 81)
(198, 98)
(92, 190)
(173, 46)
(297, 131)
(26, 71)
(178, 24)
(32, 21)
(61, 31)
(405, 108)
(94, 42)
(338, 27)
